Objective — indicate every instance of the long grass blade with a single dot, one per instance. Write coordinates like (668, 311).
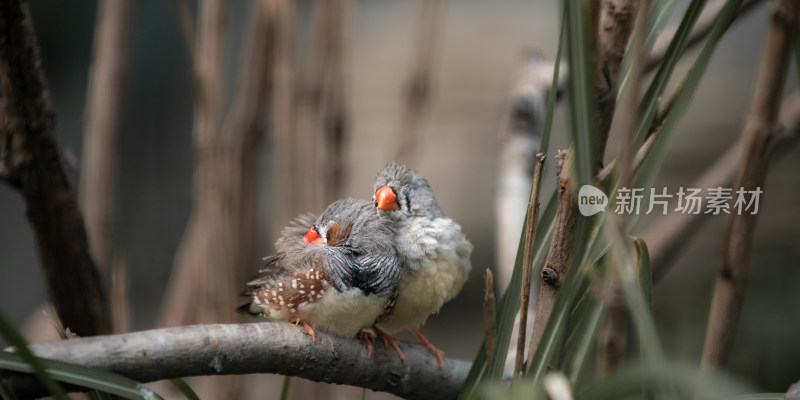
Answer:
(21, 347)
(184, 388)
(683, 99)
(90, 378)
(509, 305)
(645, 271)
(652, 98)
(628, 381)
(582, 91)
(551, 97)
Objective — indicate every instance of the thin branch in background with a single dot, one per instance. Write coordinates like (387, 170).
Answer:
(217, 349)
(669, 235)
(218, 244)
(283, 110)
(527, 262)
(335, 120)
(35, 166)
(321, 111)
(757, 135)
(101, 138)
(701, 28)
(613, 335)
(614, 27)
(489, 315)
(418, 86)
(120, 289)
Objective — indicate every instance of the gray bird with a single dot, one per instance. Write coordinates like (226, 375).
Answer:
(339, 275)
(434, 252)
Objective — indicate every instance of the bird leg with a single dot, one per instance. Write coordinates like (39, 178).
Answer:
(428, 345)
(308, 327)
(368, 337)
(388, 340)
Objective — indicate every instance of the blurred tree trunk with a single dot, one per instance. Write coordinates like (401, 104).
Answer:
(32, 162)
(101, 137)
(217, 247)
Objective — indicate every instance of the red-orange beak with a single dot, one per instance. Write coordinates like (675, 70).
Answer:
(312, 237)
(386, 199)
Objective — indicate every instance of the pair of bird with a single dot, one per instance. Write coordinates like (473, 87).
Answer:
(366, 268)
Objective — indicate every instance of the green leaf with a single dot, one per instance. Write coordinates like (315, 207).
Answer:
(588, 315)
(285, 385)
(652, 98)
(645, 271)
(551, 97)
(184, 388)
(660, 13)
(90, 378)
(21, 346)
(508, 306)
(691, 81)
(693, 382)
(582, 91)
(639, 307)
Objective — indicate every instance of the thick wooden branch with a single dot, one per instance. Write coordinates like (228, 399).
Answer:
(757, 135)
(33, 163)
(278, 348)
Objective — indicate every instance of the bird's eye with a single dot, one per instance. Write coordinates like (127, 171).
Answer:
(312, 237)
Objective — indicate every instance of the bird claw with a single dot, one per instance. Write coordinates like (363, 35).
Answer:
(308, 327)
(388, 340)
(428, 345)
(368, 338)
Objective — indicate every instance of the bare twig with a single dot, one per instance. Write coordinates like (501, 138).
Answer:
(555, 265)
(489, 315)
(527, 261)
(613, 335)
(35, 166)
(335, 124)
(256, 348)
(101, 137)
(758, 133)
(283, 109)
(217, 247)
(615, 25)
(701, 29)
(670, 234)
(418, 87)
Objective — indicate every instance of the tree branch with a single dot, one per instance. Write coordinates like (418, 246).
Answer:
(35, 166)
(757, 135)
(278, 348)
(701, 29)
(101, 137)
(670, 234)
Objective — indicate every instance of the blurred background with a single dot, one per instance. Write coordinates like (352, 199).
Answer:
(478, 50)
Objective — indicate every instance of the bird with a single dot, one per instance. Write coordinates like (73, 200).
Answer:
(434, 252)
(337, 273)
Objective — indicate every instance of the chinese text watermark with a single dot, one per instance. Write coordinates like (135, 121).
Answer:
(628, 201)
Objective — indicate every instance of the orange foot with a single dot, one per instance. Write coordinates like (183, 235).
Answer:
(368, 337)
(388, 340)
(428, 345)
(308, 327)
